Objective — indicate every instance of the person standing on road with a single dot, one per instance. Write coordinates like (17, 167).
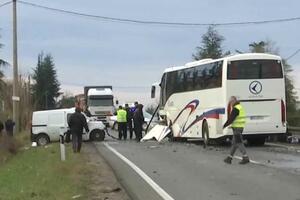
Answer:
(129, 120)
(133, 109)
(76, 123)
(122, 125)
(138, 120)
(9, 126)
(237, 120)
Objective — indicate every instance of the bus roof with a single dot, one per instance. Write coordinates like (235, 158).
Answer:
(243, 56)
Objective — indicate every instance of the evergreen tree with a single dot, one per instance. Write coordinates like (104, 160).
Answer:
(211, 45)
(46, 87)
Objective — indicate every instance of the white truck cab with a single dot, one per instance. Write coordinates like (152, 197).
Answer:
(49, 124)
(100, 101)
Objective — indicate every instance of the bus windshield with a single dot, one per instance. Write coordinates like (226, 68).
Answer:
(254, 69)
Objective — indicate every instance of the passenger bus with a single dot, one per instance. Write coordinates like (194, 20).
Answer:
(194, 98)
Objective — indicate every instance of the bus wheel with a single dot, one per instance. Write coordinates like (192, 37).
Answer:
(97, 135)
(205, 134)
(260, 141)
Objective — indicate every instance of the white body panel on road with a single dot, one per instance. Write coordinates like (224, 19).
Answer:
(195, 97)
(159, 132)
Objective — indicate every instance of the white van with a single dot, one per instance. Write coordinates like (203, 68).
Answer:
(49, 124)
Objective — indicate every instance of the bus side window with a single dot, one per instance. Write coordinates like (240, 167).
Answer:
(180, 83)
(189, 82)
(217, 80)
(199, 78)
(171, 84)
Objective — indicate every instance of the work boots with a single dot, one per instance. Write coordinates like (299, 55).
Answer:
(228, 160)
(245, 160)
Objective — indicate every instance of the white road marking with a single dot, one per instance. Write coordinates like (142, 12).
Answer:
(251, 161)
(154, 185)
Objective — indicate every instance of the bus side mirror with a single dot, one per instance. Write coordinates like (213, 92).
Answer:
(117, 102)
(153, 91)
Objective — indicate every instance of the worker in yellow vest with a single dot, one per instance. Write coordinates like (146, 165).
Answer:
(122, 123)
(237, 120)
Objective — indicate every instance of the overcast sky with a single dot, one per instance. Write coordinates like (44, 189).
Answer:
(131, 57)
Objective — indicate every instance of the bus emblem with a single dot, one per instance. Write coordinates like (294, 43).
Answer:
(255, 87)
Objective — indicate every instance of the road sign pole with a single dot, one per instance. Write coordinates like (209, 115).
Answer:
(15, 70)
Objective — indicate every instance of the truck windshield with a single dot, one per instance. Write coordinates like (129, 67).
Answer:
(100, 102)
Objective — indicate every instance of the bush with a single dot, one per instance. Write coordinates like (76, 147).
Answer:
(10, 146)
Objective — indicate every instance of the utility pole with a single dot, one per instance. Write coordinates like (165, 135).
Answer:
(15, 97)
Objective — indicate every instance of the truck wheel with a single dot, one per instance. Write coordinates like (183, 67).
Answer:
(97, 135)
(42, 140)
(205, 134)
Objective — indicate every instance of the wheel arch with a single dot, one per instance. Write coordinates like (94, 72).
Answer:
(95, 130)
(42, 134)
(202, 124)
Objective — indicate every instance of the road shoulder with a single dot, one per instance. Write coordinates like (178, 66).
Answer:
(102, 182)
(133, 183)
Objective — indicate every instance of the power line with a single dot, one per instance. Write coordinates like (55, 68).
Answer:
(6, 3)
(136, 21)
(295, 53)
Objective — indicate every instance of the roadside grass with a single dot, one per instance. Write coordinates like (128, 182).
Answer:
(38, 173)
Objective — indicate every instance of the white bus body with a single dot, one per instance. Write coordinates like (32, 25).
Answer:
(197, 94)
(49, 124)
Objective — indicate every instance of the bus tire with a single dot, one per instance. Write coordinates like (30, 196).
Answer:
(42, 139)
(205, 134)
(260, 141)
(97, 135)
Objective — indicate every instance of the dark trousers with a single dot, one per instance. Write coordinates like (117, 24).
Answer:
(10, 133)
(237, 142)
(76, 142)
(130, 127)
(122, 128)
(138, 130)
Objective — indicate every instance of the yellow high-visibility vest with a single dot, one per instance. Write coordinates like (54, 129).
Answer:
(121, 115)
(240, 120)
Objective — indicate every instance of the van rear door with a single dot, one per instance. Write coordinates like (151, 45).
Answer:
(56, 124)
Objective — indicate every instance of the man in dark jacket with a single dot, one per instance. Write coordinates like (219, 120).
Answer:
(138, 120)
(237, 120)
(129, 120)
(76, 123)
(9, 127)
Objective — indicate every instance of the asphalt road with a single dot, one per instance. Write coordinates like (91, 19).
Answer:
(186, 171)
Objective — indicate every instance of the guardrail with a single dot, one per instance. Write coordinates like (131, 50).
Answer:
(294, 130)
